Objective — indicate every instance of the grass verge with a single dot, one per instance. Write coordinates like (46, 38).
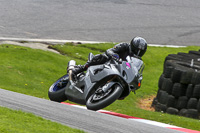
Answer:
(31, 72)
(12, 121)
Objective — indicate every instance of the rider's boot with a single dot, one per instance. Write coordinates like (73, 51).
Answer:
(78, 69)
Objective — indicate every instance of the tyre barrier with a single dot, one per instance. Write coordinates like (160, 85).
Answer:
(179, 85)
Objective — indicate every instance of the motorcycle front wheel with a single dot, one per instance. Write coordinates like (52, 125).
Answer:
(56, 91)
(101, 100)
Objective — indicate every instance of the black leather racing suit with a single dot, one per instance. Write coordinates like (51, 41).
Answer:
(122, 49)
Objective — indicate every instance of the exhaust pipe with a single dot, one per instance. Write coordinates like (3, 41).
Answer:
(71, 65)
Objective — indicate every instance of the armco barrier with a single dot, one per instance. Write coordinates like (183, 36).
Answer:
(179, 85)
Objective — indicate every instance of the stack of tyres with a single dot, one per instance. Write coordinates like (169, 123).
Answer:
(179, 85)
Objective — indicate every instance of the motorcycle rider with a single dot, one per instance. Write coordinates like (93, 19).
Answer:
(136, 48)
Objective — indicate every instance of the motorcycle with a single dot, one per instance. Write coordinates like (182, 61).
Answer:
(100, 85)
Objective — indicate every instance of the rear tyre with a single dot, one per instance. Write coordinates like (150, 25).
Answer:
(57, 90)
(98, 101)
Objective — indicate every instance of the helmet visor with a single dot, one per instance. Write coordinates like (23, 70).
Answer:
(140, 52)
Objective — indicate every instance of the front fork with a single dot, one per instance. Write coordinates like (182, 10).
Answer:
(70, 67)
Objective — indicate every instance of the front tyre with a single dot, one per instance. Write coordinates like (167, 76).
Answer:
(101, 100)
(57, 90)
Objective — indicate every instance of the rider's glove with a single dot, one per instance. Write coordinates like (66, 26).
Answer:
(116, 56)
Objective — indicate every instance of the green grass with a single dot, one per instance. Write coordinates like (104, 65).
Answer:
(31, 72)
(81, 51)
(12, 121)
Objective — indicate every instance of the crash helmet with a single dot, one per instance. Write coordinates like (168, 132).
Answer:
(138, 46)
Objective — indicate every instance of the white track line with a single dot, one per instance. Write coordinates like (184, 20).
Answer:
(46, 40)
(75, 41)
(169, 46)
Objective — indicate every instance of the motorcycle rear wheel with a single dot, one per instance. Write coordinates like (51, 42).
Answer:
(56, 91)
(93, 103)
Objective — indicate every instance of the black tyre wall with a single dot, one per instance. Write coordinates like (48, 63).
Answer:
(179, 85)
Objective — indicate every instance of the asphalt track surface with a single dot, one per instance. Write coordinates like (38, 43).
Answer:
(170, 22)
(89, 121)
